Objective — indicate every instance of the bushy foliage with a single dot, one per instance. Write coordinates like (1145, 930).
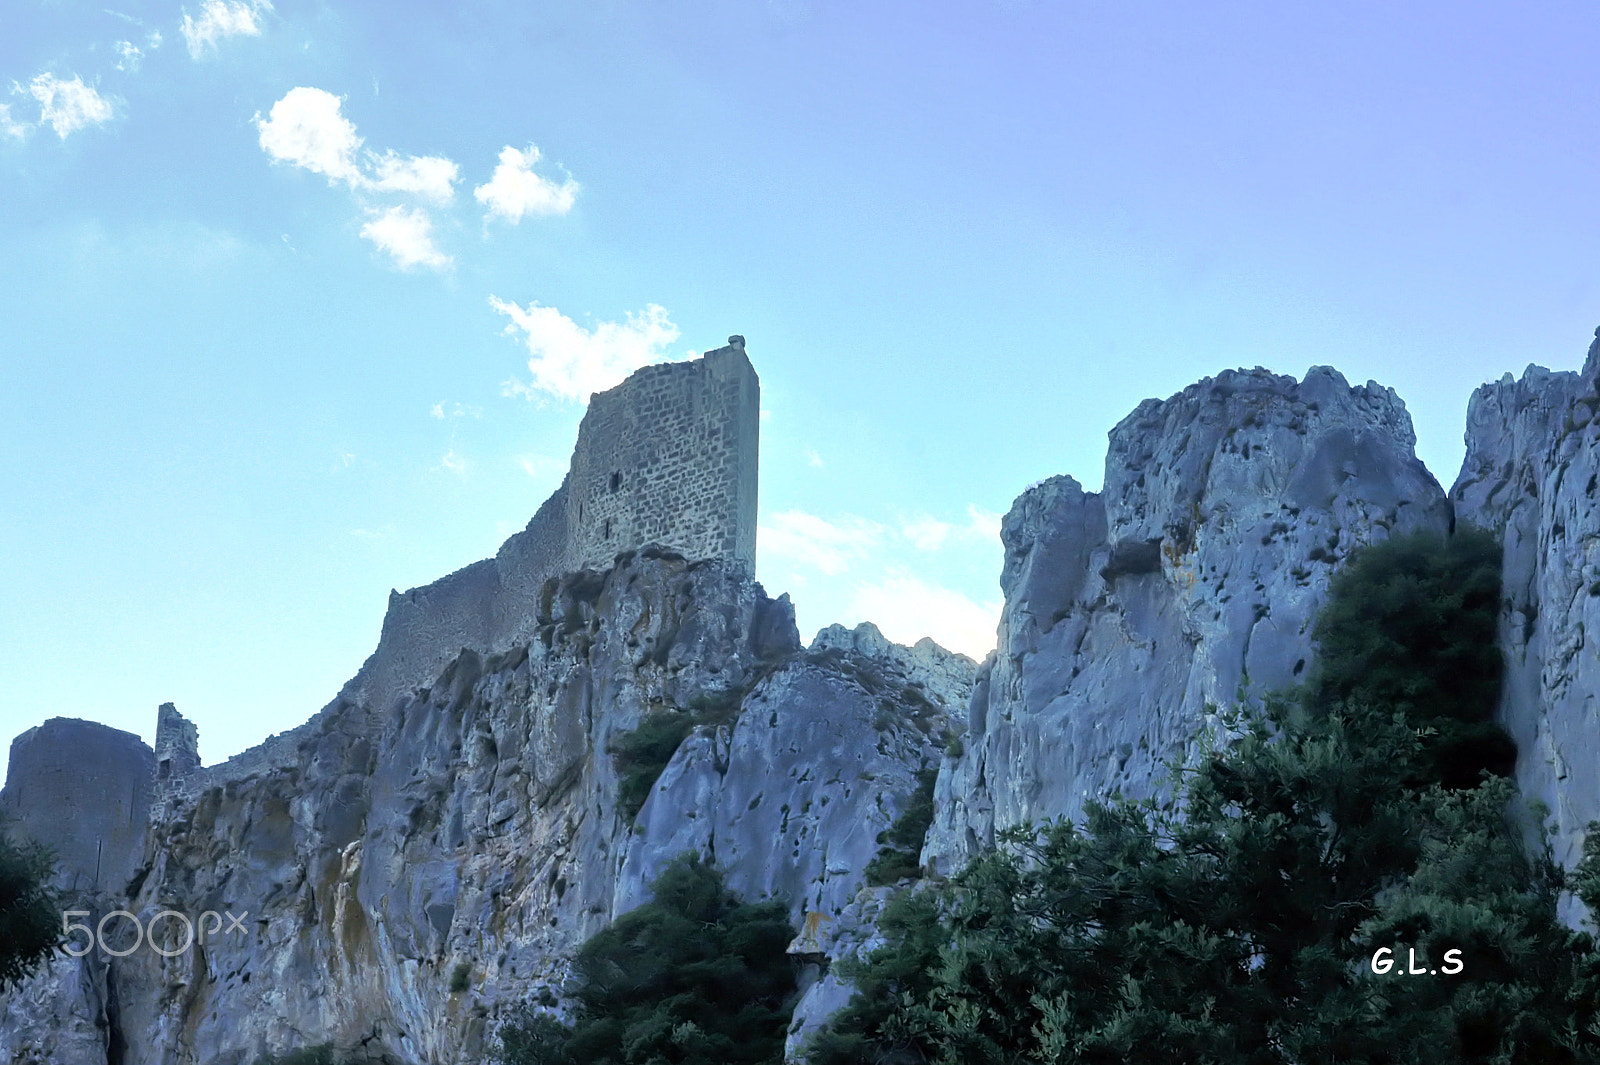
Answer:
(694, 976)
(641, 755)
(1243, 929)
(1248, 922)
(901, 853)
(30, 912)
(1410, 625)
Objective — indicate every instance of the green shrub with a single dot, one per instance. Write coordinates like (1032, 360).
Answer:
(30, 911)
(694, 976)
(900, 856)
(1240, 924)
(460, 977)
(642, 754)
(1410, 625)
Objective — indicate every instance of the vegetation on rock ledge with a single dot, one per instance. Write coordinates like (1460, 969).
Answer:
(1339, 823)
(694, 976)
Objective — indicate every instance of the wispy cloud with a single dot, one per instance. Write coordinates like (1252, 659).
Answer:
(219, 20)
(10, 127)
(455, 410)
(432, 177)
(407, 235)
(68, 105)
(925, 532)
(129, 56)
(569, 361)
(906, 608)
(857, 568)
(830, 546)
(540, 465)
(514, 190)
(813, 458)
(453, 462)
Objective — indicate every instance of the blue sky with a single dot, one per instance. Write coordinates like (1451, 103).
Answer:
(301, 300)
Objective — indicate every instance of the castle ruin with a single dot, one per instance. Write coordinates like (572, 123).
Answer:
(667, 457)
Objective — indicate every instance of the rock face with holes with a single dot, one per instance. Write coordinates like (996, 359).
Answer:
(1531, 474)
(404, 876)
(1190, 582)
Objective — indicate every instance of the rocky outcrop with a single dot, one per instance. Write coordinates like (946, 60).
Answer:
(405, 875)
(1530, 475)
(1190, 582)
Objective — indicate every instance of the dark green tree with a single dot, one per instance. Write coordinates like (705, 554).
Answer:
(30, 912)
(1410, 625)
(1241, 925)
(695, 976)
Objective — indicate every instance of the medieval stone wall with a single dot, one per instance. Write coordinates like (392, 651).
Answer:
(84, 790)
(669, 457)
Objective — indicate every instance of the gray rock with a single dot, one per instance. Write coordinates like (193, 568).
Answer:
(1188, 583)
(1530, 475)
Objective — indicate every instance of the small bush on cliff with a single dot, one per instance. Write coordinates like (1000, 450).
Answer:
(694, 976)
(901, 853)
(641, 755)
(30, 912)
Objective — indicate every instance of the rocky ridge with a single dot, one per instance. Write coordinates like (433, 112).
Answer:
(414, 874)
(468, 831)
(1530, 475)
(1188, 583)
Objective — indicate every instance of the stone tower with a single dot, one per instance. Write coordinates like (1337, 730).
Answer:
(669, 457)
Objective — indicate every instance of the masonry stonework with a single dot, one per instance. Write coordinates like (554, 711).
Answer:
(84, 790)
(669, 457)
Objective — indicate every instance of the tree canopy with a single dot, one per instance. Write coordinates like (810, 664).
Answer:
(1301, 900)
(695, 977)
(30, 914)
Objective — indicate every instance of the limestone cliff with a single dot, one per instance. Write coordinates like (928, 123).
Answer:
(1189, 581)
(413, 872)
(1531, 473)
(426, 853)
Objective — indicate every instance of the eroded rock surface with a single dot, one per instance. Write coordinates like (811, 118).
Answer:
(1189, 582)
(407, 875)
(1531, 473)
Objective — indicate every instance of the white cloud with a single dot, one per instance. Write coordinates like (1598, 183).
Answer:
(540, 465)
(153, 41)
(926, 532)
(437, 411)
(457, 410)
(432, 177)
(570, 361)
(514, 190)
(983, 524)
(813, 459)
(456, 464)
(129, 55)
(9, 126)
(829, 546)
(407, 235)
(906, 608)
(306, 130)
(220, 19)
(68, 105)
